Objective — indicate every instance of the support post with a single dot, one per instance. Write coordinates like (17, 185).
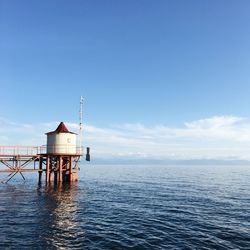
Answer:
(70, 169)
(40, 169)
(55, 176)
(47, 168)
(60, 168)
(50, 175)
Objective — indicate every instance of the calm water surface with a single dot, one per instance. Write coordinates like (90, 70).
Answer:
(130, 207)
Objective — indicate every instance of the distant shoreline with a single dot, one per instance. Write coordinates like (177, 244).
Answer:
(201, 162)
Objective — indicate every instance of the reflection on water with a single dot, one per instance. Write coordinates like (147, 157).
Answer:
(59, 213)
(46, 217)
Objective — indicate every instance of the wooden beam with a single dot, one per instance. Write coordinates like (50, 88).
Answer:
(19, 170)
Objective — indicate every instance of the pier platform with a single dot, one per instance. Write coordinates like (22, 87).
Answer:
(21, 159)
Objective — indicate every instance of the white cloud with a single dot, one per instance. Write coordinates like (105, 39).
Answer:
(219, 137)
(214, 122)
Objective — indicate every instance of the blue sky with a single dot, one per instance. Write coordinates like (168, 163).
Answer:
(147, 70)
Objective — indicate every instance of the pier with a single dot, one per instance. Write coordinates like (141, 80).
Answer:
(20, 159)
(58, 159)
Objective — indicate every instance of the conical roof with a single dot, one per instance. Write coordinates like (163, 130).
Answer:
(61, 129)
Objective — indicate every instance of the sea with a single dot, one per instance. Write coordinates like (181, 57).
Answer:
(130, 207)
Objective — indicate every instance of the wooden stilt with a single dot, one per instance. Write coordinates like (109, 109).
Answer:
(60, 169)
(70, 169)
(50, 175)
(40, 169)
(55, 176)
(47, 168)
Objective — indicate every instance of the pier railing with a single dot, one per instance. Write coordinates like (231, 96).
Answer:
(19, 150)
(34, 150)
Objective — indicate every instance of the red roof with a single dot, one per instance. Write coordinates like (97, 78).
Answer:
(61, 129)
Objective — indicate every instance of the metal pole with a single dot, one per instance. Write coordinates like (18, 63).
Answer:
(80, 124)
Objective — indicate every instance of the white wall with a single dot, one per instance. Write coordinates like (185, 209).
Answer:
(61, 143)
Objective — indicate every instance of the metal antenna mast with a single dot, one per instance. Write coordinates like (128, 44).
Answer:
(80, 123)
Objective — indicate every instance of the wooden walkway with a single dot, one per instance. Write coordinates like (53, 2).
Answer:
(18, 159)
